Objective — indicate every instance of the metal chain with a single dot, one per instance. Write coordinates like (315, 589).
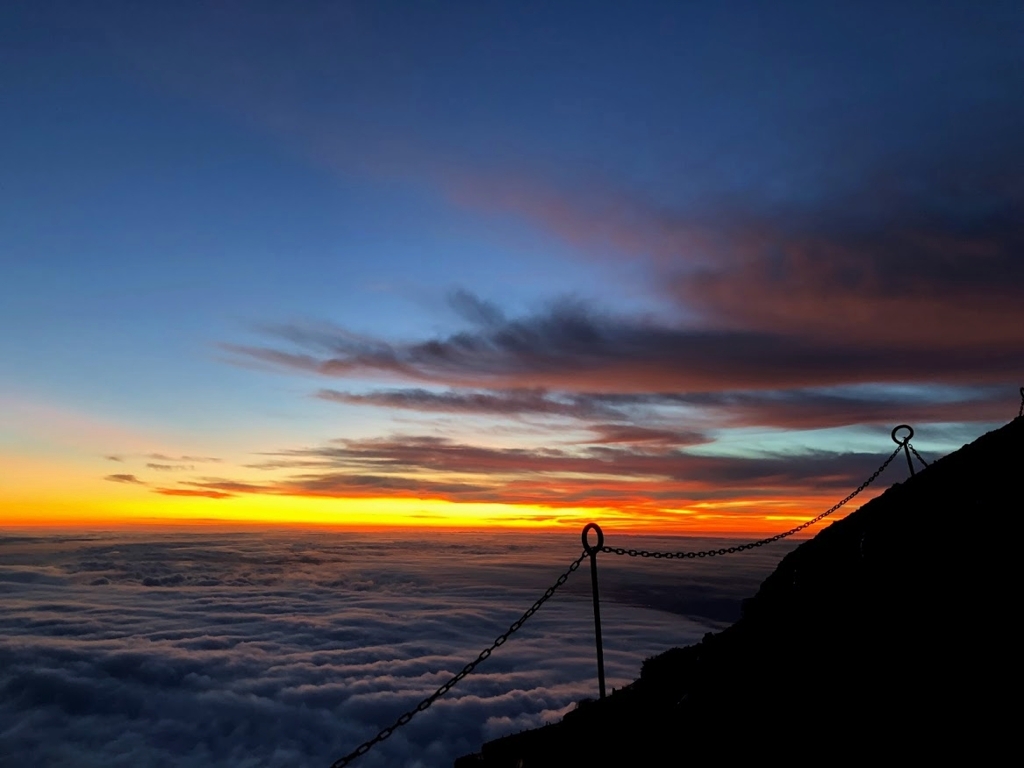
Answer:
(761, 542)
(500, 640)
(365, 747)
(912, 448)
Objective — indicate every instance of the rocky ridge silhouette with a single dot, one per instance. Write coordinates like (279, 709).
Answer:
(886, 635)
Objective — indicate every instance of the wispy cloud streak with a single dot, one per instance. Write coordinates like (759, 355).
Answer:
(124, 478)
(574, 348)
(798, 408)
(625, 468)
(493, 403)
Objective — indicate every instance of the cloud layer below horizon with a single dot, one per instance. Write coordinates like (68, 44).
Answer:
(290, 649)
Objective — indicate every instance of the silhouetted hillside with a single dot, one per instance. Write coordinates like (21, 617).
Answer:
(887, 632)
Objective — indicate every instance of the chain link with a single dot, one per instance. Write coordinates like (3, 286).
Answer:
(912, 448)
(500, 640)
(365, 747)
(761, 542)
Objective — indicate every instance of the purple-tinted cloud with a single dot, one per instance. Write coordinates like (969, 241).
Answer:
(791, 409)
(629, 434)
(573, 348)
(522, 402)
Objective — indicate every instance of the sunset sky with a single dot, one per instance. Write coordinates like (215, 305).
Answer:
(671, 266)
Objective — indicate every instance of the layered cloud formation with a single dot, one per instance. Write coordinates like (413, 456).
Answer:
(666, 233)
(638, 416)
(897, 298)
(291, 649)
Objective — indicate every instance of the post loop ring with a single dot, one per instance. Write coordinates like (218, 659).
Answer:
(600, 538)
(905, 440)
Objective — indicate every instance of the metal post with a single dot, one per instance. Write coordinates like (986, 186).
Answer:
(905, 442)
(592, 552)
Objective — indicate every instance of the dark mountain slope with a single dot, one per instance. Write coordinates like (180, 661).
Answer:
(889, 632)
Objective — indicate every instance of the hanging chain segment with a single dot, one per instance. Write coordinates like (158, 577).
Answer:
(761, 542)
(591, 551)
(918, 455)
(365, 747)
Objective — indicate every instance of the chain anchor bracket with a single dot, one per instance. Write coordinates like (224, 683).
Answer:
(904, 443)
(592, 553)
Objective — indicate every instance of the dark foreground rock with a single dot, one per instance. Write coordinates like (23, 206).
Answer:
(885, 636)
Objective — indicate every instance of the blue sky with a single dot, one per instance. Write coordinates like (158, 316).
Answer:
(188, 189)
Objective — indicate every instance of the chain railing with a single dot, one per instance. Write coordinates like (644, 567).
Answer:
(918, 455)
(500, 640)
(760, 542)
(902, 444)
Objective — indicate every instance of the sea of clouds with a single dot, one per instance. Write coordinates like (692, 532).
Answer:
(287, 648)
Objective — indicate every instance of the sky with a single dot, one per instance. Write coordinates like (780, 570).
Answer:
(676, 267)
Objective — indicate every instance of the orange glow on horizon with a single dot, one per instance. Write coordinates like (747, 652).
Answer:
(383, 485)
(730, 518)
